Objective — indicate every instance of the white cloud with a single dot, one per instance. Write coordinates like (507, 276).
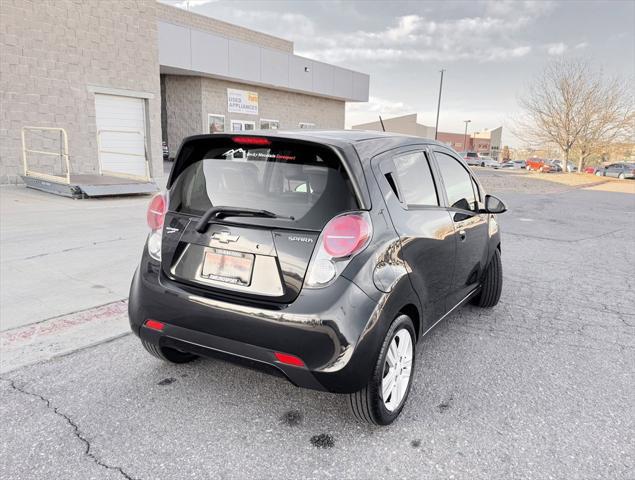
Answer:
(581, 45)
(357, 113)
(415, 38)
(557, 48)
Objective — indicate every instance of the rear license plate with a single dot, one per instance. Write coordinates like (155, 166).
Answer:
(227, 266)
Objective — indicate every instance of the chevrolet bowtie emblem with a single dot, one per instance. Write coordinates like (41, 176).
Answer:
(225, 237)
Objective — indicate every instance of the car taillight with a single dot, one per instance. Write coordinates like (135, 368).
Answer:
(342, 238)
(156, 216)
(156, 212)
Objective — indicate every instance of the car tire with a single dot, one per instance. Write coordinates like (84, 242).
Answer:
(167, 354)
(368, 405)
(482, 164)
(492, 284)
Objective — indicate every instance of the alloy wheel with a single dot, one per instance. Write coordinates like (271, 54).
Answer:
(397, 369)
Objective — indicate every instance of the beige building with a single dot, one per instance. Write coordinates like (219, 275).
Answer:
(94, 87)
(485, 142)
(406, 124)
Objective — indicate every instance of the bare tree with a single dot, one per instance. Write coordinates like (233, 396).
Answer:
(572, 107)
(613, 120)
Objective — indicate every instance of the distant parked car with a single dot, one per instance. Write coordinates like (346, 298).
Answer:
(592, 170)
(489, 162)
(539, 165)
(570, 166)
(554, 165)
(515, 164)
(620, 170)
(472, 158)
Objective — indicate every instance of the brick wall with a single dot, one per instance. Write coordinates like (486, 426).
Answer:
(184, 18)
(190, 99)
(51, 51)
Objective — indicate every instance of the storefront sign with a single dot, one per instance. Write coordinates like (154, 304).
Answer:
(242, 101)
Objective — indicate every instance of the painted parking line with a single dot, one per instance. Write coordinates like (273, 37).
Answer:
(61, 335)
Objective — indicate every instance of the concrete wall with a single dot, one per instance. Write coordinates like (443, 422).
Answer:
(183, 106)
(184, 18)
(190, 99)
(51, 52)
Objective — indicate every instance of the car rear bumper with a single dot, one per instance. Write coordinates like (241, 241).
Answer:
(331, 330)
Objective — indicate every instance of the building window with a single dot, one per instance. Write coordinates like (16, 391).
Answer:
(306, 125)
(266, 124)
(216, 123)
(242, 125)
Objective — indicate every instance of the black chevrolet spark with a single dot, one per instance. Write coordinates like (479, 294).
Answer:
(323, 256)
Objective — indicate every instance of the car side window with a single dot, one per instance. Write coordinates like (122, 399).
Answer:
(415, 179)
(458, 182)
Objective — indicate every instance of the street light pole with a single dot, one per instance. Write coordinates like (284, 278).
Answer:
(465, 136)
(436, 128)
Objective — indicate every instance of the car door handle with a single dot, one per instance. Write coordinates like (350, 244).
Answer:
(462, 235)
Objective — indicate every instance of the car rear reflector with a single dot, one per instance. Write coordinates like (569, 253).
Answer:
(155, 325)
(345, 235)
(156, 212)
(252, 140)
(289, 359)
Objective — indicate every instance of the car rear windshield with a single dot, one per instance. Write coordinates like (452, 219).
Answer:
(302, 180)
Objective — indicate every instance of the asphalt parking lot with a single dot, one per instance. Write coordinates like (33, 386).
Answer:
(541, 386)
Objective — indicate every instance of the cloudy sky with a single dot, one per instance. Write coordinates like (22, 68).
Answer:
(490, 49)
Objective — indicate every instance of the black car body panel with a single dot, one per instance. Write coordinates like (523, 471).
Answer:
(421, 260)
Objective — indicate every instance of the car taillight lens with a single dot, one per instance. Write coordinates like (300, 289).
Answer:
(342, 238)
(156, 216)
(344, 235)
(156, 212)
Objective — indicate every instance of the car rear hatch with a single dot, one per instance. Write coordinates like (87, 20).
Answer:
(245, 213)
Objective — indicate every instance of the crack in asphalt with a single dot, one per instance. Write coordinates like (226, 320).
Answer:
(71, 249)
(76, 430)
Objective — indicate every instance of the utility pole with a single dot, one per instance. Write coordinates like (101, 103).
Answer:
(436, 128)
(465, 136)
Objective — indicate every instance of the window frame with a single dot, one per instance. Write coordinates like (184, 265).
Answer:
(400, 191)
(219, 116)
(270, 120)
(243, 123)
(478, 195)
(309, 125)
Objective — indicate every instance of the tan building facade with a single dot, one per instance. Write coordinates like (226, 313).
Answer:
(486, 142)
(115, 78)
(56, 58)
(406, 124)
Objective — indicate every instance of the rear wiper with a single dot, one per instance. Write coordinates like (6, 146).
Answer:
(222, 212)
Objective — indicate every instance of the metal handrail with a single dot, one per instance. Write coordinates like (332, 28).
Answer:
(119, 174)
(62, 154)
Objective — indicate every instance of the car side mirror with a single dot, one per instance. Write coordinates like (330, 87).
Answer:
(494, 205)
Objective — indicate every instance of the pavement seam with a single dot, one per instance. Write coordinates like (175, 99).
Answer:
(76, 430)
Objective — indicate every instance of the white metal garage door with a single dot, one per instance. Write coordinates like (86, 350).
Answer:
(121, 135)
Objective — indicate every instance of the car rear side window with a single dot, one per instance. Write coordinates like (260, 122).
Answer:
(415, 179)
(457, 181)
(301, 180)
